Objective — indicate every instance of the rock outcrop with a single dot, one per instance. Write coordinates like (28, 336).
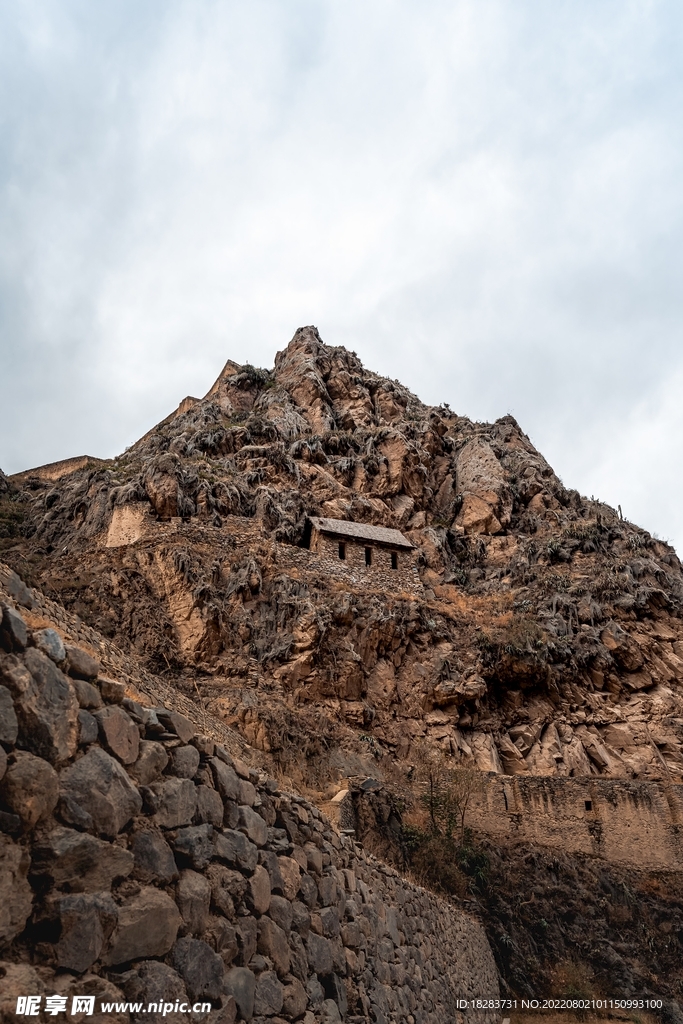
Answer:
(542, 637)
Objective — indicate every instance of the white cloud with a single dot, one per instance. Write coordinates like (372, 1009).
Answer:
(481, 198)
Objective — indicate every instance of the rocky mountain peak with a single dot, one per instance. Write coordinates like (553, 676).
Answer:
(535, 620)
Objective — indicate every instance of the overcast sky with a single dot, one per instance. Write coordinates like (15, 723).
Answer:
(482, 199)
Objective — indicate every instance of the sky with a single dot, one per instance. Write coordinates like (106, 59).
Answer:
(482, 198)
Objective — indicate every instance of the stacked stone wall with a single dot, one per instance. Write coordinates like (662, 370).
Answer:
(56, 470)
(133, 524)
(630, 822)
(40, 611)
(140, 861)
(325, 564)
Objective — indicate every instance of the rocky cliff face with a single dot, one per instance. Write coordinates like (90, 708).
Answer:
(141, 863)
(546, 639)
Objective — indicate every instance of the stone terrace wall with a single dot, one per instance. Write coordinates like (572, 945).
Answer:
(141, 685)
(378, 576)
(56, 470)
(139, 861)
(133, 524)
(628, 822)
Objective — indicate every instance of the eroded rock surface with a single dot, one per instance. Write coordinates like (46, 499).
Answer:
(543, 635)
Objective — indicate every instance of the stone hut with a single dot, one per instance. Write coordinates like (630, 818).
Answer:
(370, 550)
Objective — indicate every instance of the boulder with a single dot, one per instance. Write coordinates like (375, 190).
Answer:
(316, 995)
(13, 630)
(119, 733)
(86, 922)
(196, 844)
(524, 736)
(240, 983)
(193, 898)
(308, 891)
(258, 890)
(270, 863)
(235, 848)
(299, 965)
(246, 793)
(87, 728)
(452, 691)
(480, 474)
(223, 938)
(30, 788)
(253, 826)
(81, 664)
(485, 752)
(291, 876)
(9, 727)
(327, 890)
(87, 695)
(151, 762)
(50, 643)
(147, 926)
(301, 917)
(228, 887)
(153, 858)
(280, 911)
(231, 814)
(511, 756)
(329, 917)
(477, 516)
(269, 995)
(294, 999)
(17, 589)
(247, 937)
(209, 806)
(16, 897)
(112, 690)
(314, 859)
(17, 980)
(46, 708)
(273, 943)
(319, 953)
(156, 982)
(200, 968)
(174, 722)
(174, 802)
(335, 990)
(97, 794)
(162, 486)
(225, 778)
(185, 762)
(80, 862)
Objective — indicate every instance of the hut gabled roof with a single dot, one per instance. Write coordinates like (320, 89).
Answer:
(361, 532)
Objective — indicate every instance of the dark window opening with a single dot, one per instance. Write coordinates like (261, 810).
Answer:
(505, 798)
(342, 550)
(394, 560)
(368, 556)
(588, 805)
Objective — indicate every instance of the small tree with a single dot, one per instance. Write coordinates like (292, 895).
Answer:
(443, 854)
(449, 791)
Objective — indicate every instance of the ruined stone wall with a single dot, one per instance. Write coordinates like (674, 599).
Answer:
(636, 823)
(131, 524)
(56, 470)
(39, 611)
(325, 564)
(140, 861)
